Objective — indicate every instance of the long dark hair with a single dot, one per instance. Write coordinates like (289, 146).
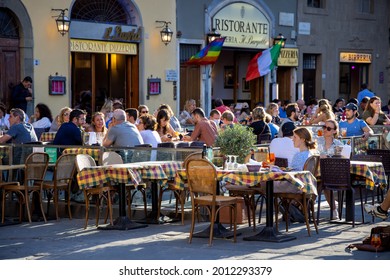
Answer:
(44, 111)
(163, 114)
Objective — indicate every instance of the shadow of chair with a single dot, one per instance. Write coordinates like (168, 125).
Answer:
(336, 176)
(101, 191)
(305, 201)
(34, 174)
(203, 185)
(109, 158)
(180, 195)
(62, 181)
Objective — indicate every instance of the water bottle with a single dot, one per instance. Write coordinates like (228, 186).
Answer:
(204, 151)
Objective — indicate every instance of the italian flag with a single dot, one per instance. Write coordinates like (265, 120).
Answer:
(263, 62)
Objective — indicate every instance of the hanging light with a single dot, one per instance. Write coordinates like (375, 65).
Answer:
(62, 21)
(166, 32)
(279, 38)
(211, 36)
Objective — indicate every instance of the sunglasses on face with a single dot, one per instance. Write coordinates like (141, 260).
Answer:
(66, 114)
(144, 112)
(327, 128)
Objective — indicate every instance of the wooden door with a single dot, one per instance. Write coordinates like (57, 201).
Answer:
(284, 81)
(9, 69)
(189, 84)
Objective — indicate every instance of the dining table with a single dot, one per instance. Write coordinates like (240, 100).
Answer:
(157, 173)
(303, 180)
(93, 152)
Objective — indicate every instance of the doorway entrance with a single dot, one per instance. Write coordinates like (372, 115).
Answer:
(352, 75)
(105, 76)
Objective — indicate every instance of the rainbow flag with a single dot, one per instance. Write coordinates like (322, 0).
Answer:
(209, 54)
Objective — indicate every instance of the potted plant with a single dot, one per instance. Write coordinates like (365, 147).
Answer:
(236, 140)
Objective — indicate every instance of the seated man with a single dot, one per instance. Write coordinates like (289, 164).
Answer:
(132, 115)
(20, 132)
(205, 130)
(284, 147)
(69, 133)
(354, 126)
(122, 133)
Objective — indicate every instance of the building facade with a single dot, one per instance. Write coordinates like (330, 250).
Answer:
(112, 50)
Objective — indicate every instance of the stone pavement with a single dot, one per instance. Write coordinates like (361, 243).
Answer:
(67, 240)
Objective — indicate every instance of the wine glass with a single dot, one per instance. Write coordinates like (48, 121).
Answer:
(271, 158)
(376, 242)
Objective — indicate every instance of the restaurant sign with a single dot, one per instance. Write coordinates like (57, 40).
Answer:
(91, 46)
(243, 25)
(355, 57)
(288, 57)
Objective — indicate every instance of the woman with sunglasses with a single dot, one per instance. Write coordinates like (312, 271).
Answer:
(331, 131)
(61, 118)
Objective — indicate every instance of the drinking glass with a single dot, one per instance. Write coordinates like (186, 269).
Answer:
(343, 132)
(271, 158)
(376, 242)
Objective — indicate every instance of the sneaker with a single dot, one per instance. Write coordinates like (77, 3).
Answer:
(373, 210)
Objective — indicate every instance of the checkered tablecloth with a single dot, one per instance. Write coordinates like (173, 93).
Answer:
(374, 173)
(92, 176)
(95, 153)
(303, 180)
(133, 173)
(47, 136)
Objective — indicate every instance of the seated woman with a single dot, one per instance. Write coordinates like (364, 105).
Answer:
(41, 120)
(4, 117)
(98, 126)
(260, 127)
(323, 113)
(147, 127)
(303, 140)
(273, 110)
(61, 118)
(227, 119)
(164, 129)
(173, 121)
(185, 116)
(373, 114)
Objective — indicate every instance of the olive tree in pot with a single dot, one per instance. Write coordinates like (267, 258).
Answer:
(236, 140)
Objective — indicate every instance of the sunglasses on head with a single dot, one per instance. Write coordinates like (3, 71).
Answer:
(327, 128)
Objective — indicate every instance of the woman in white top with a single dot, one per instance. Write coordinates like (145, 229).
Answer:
(42, 117)
(185, 116)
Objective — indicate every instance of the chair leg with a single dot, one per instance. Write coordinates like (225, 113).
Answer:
(109, 205)
(276, 206)
(86, 208)
(235, 222)
(305, 210)
(26, 200)
(3, 206)
(41, 205)
(194, 210)
(160, 196)
(212, 225)
(68, 203)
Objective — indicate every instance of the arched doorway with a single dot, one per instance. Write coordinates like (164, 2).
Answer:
(104, 74)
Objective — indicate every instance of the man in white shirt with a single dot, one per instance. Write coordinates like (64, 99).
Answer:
(284, 147)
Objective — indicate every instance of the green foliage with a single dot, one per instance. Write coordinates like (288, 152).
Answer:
(236, 140)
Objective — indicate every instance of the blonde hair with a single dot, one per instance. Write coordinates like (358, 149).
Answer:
(93, 119)
(189, 102)
(60, 118)
(258, 113)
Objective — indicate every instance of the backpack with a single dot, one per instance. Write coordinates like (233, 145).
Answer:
(384, 232)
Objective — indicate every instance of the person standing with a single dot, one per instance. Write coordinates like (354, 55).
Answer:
(364, 91)
(22, 93)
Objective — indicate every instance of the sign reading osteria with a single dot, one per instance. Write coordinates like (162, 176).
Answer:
(355, 57)
(288, 57)
(102, 47)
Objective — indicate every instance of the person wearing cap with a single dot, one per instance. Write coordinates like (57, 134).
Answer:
(283, 147)
(354, 126)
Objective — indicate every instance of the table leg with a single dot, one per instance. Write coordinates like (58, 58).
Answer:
(269, 234)
(122, 222)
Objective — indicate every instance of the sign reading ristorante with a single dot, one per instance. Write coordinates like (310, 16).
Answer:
(243, 25)
(94, 46)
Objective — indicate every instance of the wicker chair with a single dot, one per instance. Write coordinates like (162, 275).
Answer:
(336, 176)
(102, 191)
(306, 201)
(34, 174)
(109, 158)
(385, 154)
(202, 182)
(62, 181)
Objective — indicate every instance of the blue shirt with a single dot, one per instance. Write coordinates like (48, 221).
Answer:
(282, 113)
(364, 93)
(299, 160)
(355, 128)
